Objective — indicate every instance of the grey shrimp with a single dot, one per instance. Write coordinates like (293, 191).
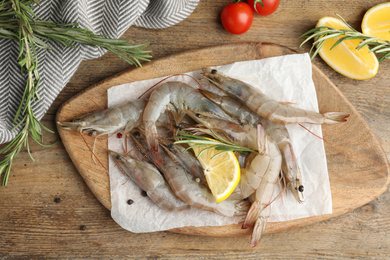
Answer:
(262, 198)
(278, 132)
(260, 176)
(149, 179)
(256, 164)
(267, 107)
(188, 189)
(125, 116)
(178, 97)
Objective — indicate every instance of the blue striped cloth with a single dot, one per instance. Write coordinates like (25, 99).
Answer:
(56, 66)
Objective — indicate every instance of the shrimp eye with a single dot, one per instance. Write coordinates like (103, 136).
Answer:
(117, 157)
(242, 124)
(90, 133)
(198, 115)
(170, 146)
(136, 134)
(300, 188)
(214, 71)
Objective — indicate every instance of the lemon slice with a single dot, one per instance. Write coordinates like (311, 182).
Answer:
(345, 58)
(376, 21)
(222, 170)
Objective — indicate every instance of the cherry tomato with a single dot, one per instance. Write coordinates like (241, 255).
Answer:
(270, 6)
(237, 18)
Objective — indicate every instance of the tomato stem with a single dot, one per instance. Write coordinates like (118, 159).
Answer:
(258, 1)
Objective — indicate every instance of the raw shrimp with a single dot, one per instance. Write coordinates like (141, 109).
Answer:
(108, 121)
(269, 108)
(177, 152)
(179, 97)
(149, 179)
(186, 159)
(189, 190)
(260, 225)
(256, 164)
(260, 208)
(278, 132)
(261, 176)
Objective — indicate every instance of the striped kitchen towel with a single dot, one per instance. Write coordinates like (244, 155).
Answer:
(56, 66)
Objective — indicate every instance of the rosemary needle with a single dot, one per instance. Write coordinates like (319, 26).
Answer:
(219, 144)
(320, 34)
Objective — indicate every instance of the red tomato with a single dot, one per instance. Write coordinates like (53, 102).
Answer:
(270, 6)
(237, 18)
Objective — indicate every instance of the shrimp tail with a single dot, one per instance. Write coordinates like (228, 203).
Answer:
(335, 117)
(258, 230)
(151, 135)
(252, 214)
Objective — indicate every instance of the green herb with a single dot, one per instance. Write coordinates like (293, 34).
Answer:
(219, 144)
(18, 22)
(320, 34)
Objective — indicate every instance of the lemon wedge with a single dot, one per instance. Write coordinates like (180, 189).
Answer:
(222, 170)
(376, 21)
(345, 58)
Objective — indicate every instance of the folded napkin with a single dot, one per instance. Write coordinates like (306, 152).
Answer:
(56, 66)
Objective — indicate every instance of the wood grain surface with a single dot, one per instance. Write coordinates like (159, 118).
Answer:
(48, 211)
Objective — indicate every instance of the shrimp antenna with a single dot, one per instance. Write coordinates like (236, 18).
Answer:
(92, 151)
(135, 168)
(312, 133)
(126, 153)
(123, 172)
(93, 148)
(200, 85)
(279, 196)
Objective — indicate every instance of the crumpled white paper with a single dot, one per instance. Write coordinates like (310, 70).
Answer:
(285, 78)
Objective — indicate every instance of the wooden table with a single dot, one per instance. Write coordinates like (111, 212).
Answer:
(47, 210)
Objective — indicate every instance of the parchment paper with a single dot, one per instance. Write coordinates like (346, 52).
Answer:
(285, 78)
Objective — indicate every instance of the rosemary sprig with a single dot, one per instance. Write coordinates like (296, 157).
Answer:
(68, 34)
(219, 144)
(320, 34)
(18, 22)
(31, 126)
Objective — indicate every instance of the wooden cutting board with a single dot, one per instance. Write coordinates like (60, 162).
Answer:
(358, 167)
